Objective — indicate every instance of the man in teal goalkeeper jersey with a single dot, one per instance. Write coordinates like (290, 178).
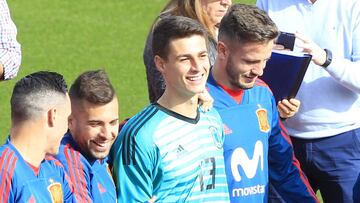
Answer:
(171, 150)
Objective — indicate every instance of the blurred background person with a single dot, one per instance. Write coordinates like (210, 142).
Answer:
(326, 130)
(10, 49)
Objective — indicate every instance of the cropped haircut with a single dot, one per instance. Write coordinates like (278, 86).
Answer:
(174, 27)
(93, 87)
(34, 93)
(247, 23)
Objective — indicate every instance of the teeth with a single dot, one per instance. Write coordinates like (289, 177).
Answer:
(195, 78)
(100, 144)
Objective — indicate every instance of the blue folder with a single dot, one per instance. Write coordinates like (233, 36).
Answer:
(284, 73)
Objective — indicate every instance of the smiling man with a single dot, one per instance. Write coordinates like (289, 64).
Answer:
(93, 127)
(171, 150)
(257, 149)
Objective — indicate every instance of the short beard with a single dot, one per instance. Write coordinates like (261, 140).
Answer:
(233, 76)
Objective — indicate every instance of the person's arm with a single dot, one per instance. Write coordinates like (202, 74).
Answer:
(77, 171)
(284, 169)
(345, 71)
(68, 188)
(136, 166)
(10, 49)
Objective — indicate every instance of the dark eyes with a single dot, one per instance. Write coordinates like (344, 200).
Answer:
(94, 124)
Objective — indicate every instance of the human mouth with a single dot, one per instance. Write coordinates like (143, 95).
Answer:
(195, 78)
(100, 146)
(250, 79)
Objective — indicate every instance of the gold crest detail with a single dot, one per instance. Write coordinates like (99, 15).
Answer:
(261, 114)
(55, 192)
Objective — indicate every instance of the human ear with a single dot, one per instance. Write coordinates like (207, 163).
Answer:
(159, 63)
(222, 50)
(51, 117)
(71, 121)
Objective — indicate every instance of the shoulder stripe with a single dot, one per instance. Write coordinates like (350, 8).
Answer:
(69, 164)
(3, 156)
(8, 179)
(128, 148)
(72, 164)
(6, 157)
(54, 160)
(82, 177)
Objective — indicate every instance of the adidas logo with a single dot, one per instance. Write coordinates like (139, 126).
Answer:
(101, 188)
(227, 130)
(180, 149)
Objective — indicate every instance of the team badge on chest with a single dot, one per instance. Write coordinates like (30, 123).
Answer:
(55, 192)
(261, 114)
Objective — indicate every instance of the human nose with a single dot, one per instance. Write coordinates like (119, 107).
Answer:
(259, 68)
(196, 65)
(106, 132)
(225, 2)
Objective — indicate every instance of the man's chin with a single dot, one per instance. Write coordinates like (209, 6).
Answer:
(99, 155)
(244, 86)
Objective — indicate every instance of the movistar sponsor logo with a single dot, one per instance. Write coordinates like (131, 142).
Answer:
(246, 191)
(249, 166)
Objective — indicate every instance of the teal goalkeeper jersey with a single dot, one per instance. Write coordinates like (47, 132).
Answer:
(177, 159)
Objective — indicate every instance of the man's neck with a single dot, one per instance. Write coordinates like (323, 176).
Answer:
(28, 143)
(220, 76)
(186, 106)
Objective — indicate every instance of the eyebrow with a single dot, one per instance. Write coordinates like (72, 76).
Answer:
(189, 55)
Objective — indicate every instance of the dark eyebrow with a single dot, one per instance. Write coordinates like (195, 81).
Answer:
(189, 55)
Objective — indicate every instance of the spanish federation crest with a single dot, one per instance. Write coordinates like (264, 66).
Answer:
(261, 114)
(55, 191)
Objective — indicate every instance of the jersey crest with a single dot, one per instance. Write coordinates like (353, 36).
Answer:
(261, 114)
(55, 191)
(217, 137)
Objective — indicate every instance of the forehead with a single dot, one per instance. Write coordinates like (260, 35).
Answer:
(252, 50)
(187, 45)
(87, 109)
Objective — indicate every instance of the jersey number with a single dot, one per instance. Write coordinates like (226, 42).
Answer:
(209, 162)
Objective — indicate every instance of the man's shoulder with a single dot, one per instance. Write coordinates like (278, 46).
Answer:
(70, 156)
(141, 120)
(10, 162)
(52, 162)
(211, 113)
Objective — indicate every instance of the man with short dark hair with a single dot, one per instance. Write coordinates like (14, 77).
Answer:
(40, 107)
(171, 149)
(256, 149)
(93, 127)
